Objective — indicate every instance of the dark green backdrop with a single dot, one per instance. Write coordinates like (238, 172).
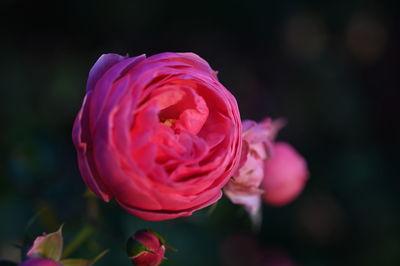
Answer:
(331, 68)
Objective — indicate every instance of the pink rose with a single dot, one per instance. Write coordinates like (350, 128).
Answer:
(159, 134)
(145, 248)
(285, 175)
(244, 187)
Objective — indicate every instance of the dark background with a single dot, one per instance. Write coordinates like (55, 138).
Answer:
(330, 68)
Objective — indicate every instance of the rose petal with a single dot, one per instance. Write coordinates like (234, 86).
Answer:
(285, 175)
(105, 62)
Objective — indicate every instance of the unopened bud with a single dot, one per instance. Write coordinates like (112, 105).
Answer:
(146, 248)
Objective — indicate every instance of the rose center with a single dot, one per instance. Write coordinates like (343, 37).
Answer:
(168, 122)
(182, 110)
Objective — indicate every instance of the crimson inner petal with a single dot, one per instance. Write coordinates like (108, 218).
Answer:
(188, 113)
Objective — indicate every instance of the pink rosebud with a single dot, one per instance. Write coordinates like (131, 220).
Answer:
(146, 248)
(258, 139)
(47, 246)
(40, 262)
(47, 250)
(285, 175)
(159, 134)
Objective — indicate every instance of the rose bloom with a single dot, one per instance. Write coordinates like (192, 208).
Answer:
(159, 134)
(244, 187)
(285, 173)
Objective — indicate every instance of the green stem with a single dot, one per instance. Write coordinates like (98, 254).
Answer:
(81, 237)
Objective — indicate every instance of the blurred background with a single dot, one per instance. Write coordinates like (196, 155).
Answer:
(331, 69)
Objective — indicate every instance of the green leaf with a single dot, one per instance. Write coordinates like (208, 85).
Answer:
(76, 262)
(98, 257)
(134, 248)
(80, 238)
(82, 262)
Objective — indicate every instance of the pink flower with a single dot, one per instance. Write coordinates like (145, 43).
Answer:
(47, 246)
(285, 175)
(40, 262)
(145, 248)
(244, 187)
(159, 134)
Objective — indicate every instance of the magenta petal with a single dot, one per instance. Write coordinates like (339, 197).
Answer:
(105, 62)
(151, 215)
(39, 262)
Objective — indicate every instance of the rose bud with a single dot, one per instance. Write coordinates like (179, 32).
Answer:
(244, 187)
(40, 262)
(47, 246)
(160, 134)
(47, 250)
(146, 248)
(285, 175)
